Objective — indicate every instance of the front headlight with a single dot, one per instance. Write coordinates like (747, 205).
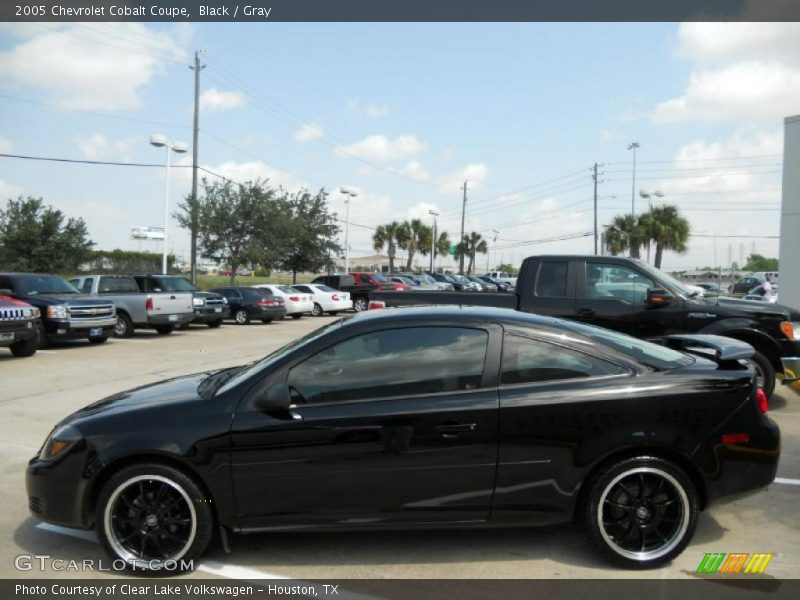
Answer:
(198, 301)
(224, 300)
(59, 441)
(58, 311)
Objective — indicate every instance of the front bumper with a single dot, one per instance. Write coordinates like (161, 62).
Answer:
(210, 315)
(19, 330)
(56, 490)
(791, 368)
(80, 329)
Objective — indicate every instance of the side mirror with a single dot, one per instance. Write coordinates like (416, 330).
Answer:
(657, 297)
(276, 397)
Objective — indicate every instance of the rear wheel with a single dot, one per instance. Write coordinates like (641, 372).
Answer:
(297, 316)
(241, 317)
(333, 313)
(151, 515)
(360, 304)
(214, 324)
(316, 311)
(124, 326)
(98, 340)
(182, 327)
(24, 348)
(765, 373)
(641, 511)
(266, 321)
(165, 329)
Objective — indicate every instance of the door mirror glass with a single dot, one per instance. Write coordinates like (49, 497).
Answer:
(657, 297)
(276, 397)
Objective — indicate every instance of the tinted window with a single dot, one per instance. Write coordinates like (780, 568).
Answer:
(396, 362)
(526, 361)
(552, 279)
(174, 284)
(110, 285)
(616, 281)
(285, 289)
(45, 284)
(255, 293)
(304, 288)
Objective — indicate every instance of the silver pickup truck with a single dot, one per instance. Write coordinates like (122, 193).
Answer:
(137, 310)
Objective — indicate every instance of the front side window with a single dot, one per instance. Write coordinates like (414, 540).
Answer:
(611, 281)
(395, 362)
(529, 361)
(552, 279)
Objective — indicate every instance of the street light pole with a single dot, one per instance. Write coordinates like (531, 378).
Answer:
(433, 237)
(159, 141)
(633, 146)
(350, 194)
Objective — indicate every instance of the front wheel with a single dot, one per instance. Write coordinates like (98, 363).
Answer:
(153, 517)
(765, 373)
(360, 304)
(641, 512)
(24, 348)
(316, 311)
(124, 326)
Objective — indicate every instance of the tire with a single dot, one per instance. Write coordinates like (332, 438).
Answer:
(241, 317)
(640, 502)
(24, 348)
(266, 321)
(98, 340)
(333, 313)
(765, 373)
(316, 311)
(41, 337)
(297, 316)
(124, 327)
(360, 304)
(214, 324)
(165, 329)
(161, 510)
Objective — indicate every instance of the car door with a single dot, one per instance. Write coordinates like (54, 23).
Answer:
(388, 426)
(606, 294)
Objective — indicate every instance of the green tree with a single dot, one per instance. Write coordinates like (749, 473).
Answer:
(625, 233)
(392, 235)
(417, 240)
(35, 237)
(239, 224)
(757, 262)
(442, 246)
(310, 234)
(506, 268)
(472, 244)
(667, 229)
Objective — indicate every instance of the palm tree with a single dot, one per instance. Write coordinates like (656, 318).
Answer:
(667, 229)
(417, 240)
(392, 235)
(472, 244)
(442, 247)
(626, 232)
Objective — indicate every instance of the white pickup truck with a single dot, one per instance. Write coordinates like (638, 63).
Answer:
(502, 276)
(135, 309)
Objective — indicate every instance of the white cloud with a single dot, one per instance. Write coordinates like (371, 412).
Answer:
(420, 211)
(83, 74)
(413, 169)
(382, 148)
(214, 99)
(5, 145)
(99, 147)
(376, 110)
(249, 171)
(741, 71)
(308, 132)
(474, 173)
(8, 190)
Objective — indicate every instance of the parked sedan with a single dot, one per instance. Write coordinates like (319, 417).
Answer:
(326, 299)
(744, 285)
(419, 417)
(502, 286)
(486, 286)
(247, 303)
(297, 304)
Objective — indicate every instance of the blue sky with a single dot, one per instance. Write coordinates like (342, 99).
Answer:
(403, 113)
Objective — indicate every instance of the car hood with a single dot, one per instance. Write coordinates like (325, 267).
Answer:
(735, 307)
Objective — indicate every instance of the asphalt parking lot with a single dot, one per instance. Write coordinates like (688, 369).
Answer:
(36, 392)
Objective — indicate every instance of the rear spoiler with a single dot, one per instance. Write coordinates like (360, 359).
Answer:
(725, 348)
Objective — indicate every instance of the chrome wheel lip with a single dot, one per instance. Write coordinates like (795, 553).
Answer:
(676, 538)
(123, 553)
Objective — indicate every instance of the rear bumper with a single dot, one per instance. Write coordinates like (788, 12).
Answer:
(170, 319)
(299, 307)
(267, 312)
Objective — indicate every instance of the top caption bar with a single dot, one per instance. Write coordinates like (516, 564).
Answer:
(398, 10)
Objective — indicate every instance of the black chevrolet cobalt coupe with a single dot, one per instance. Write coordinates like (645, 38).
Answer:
(420, 417)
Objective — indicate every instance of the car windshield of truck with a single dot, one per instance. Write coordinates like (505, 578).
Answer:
(674, 284)
(379, 277)
(648, 353)
(175, 284)
(45, 284)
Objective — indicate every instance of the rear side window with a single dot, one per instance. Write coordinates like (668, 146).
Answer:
(551, 281)
(529, 361)
(114, 285)
(87, 285)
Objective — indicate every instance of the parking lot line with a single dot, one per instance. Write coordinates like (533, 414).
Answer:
(46, 352)
(787, 481)
(131, 341)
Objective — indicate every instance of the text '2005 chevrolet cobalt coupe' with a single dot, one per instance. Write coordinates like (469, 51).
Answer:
(420, 417)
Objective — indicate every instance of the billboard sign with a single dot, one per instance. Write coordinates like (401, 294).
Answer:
(143, 232)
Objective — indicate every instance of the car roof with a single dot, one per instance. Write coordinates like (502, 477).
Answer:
(456, 313)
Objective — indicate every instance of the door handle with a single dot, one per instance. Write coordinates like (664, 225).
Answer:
(453, 430)
(586, 313)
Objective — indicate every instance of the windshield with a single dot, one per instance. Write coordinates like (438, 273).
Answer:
(657, 274)
(175, 284)
(253, 369)
(379, 277)
(652, 355)
(46, 284)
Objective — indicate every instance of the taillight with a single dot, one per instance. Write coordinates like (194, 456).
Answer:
(335, 297)
(266, 302)
(294, 298)
(762, 401)
(148, 304)
(376, 304)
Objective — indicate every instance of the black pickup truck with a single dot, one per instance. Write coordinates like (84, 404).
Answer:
(632, 297)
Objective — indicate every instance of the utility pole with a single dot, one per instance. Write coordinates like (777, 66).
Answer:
(594, 176)
(633, 146)
(461, 239)
(193, 201)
